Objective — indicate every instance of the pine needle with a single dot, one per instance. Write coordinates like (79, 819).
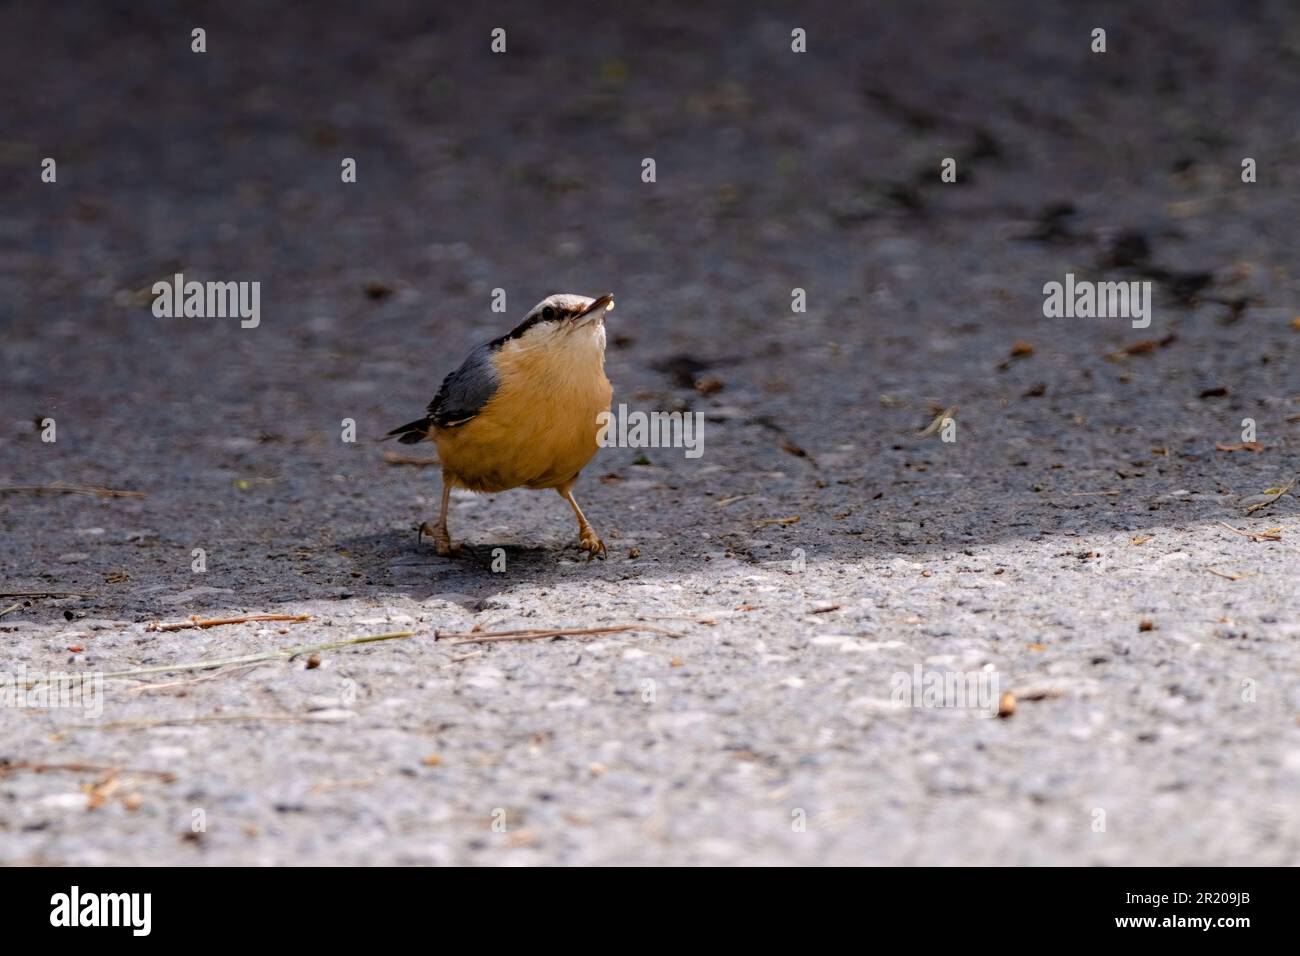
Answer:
(1264, 504)
(61, 489)
(489, 637)
(219, 621)
(283, 654)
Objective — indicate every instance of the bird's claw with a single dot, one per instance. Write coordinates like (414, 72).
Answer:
(594, 547)
(441, 540)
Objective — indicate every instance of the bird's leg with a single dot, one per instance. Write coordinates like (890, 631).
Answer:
(441, 539)
(590, 542)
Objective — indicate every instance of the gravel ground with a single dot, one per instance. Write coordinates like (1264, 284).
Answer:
(1068, 547)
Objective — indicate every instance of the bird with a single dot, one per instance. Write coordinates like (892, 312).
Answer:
(523, 410)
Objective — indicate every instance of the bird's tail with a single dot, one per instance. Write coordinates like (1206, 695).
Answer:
(411, 432)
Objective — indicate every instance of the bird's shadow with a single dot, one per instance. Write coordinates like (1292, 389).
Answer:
(390, 561)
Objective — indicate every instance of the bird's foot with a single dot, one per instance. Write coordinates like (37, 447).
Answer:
(594, 547)
(441, 539)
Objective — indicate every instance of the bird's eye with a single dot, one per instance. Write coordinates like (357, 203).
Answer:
(548, 314)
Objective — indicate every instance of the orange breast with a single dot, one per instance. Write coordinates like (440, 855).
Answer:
(539, 429)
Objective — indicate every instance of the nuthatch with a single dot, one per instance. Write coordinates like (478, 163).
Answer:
(523, 410)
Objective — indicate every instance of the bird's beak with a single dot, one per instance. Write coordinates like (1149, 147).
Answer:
(596, 311)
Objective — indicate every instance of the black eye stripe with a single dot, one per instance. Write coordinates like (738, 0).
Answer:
(546, 314)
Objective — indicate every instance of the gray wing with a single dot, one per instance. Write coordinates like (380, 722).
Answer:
(465, 391)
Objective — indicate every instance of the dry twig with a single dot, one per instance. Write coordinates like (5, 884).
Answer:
(146, 723)
(165, 775)
(937, 424)
(61, 489)
(218, 621)
(1264, 504)
(60, 594)
(285, 654)
(1230, 577)
(215, 675)
(1253, 535)
(539, 634)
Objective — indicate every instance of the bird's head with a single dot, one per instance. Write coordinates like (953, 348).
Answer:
(565, 320)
